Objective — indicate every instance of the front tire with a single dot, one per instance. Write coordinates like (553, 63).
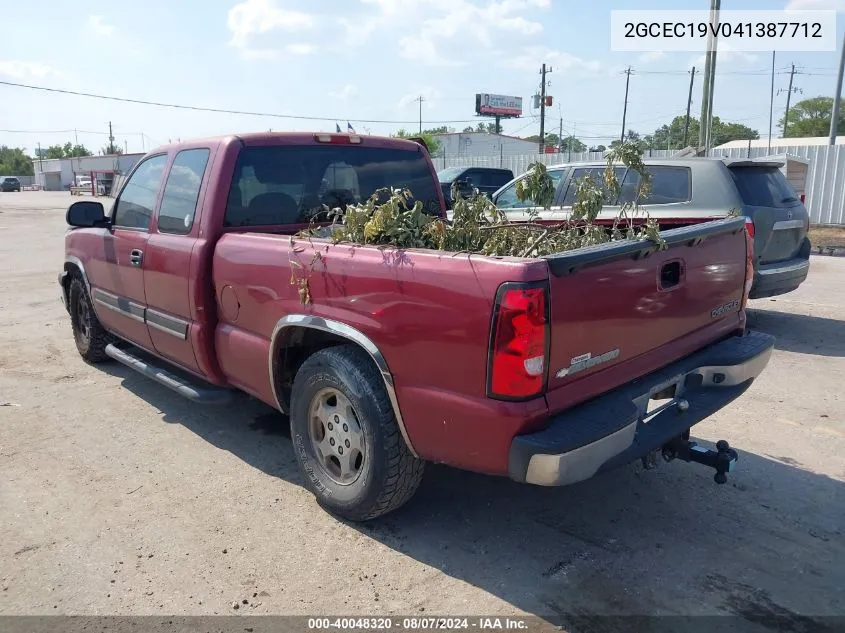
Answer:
(88, 334)
(346, 439)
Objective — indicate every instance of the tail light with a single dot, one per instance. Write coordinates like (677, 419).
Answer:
(801, 198)
(519, 342)
(749, 263)
(749, 227)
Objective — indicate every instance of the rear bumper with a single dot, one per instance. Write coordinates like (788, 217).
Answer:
(782, 277)
(613, 430)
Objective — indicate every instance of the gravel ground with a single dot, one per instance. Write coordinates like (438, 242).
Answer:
(119, 497)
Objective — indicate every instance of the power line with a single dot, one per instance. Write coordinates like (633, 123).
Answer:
(216, 110)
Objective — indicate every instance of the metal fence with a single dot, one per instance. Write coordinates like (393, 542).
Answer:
(824, 189)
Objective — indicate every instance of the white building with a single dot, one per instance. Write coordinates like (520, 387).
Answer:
(57, 174)
(468, 144)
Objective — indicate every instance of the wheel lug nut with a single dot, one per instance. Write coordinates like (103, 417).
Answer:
(336, 419)
(345, 428)
(331, 427)
(340, 450)
(347, 443)
(331, 441)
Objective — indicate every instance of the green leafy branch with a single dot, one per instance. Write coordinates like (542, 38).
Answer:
(391, 217)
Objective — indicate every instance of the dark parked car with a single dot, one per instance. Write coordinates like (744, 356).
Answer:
(486, 179)
(10, 183)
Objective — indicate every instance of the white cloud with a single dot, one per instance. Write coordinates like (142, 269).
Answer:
(265, 54)
(803, 5)
(421, 48)
(445, 24)
(98, 24)
(726, 54)
(256, 17)
(651, 56)
(26, 70)
(560, 61)
(344, 94)
(300, 49)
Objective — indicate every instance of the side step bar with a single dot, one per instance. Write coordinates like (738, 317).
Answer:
(183, 386)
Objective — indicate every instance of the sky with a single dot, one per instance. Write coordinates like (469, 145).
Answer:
(355, 60)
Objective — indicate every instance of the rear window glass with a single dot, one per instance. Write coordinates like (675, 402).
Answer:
(763, 187)
(286, 185)
(449, 174)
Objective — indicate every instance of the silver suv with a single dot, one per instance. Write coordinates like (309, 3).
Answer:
(692, 190)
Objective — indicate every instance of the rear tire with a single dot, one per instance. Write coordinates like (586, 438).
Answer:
(346, 439)
(88, 334)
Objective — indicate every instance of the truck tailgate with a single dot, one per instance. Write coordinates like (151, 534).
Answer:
(618, 302)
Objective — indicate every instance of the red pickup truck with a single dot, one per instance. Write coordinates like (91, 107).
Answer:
(547, 370)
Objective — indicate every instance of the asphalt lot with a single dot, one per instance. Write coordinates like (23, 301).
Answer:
(119, 497)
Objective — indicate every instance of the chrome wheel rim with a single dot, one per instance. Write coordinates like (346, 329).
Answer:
(336, 436)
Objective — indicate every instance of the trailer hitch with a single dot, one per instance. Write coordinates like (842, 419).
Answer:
(722, 459)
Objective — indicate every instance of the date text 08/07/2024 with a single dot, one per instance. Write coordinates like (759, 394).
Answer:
(417, 623)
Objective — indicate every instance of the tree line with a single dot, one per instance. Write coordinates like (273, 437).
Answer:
(810, 117)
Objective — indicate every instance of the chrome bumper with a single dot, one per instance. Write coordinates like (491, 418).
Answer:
(617, 428)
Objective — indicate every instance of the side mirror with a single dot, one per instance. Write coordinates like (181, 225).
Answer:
(86, 213)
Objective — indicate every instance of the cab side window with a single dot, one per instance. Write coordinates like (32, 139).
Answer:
(179, 201)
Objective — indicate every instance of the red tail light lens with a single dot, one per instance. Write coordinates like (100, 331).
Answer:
(749, 227)
(519, 343)
(801, 197)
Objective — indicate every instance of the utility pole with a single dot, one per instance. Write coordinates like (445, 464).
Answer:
(625, 107)
(712, 90)
(543, 72)
(771, 105)
(420, 99)
(75, 137)
(789, 92)
(709, 77)
(834, 115)
(125, 146)
(40, 161)
(560, 136)
(111, 140)
(689, 104)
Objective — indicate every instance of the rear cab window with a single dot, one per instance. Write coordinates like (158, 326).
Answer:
(763, 187)
(181, 191)
(284, 185)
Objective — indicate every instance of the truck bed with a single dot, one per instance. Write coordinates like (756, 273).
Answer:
(429, 313)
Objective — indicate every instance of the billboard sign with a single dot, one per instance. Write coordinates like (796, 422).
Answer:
(500, 105)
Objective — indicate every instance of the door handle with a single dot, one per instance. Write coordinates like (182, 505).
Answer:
(136, 257)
